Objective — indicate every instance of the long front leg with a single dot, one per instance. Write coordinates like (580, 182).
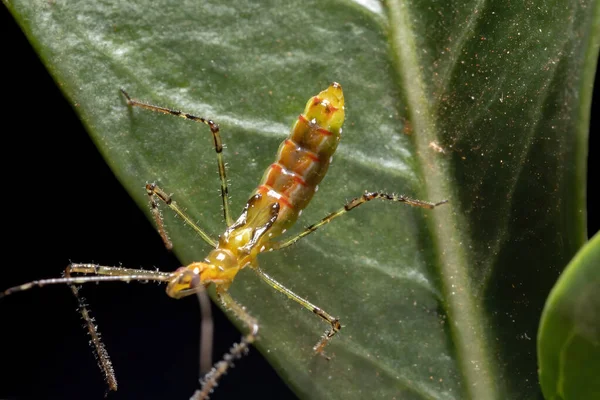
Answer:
(102, 356)
(110, 274)
(367, 196)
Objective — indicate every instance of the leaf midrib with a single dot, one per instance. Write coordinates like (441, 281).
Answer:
(467, 328)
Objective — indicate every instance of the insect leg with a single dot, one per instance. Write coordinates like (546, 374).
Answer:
(334, 322)
(211, 379)
(367, 196)
(112, 274)
(214, 129)
(155, 192)
(101, 354)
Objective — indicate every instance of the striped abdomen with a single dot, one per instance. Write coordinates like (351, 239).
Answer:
(304, 157)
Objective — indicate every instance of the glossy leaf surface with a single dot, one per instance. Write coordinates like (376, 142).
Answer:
(481, 104)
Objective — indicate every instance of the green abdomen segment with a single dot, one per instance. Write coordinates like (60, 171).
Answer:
(304, 157)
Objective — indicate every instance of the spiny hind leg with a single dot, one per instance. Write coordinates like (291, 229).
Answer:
(101, 354)
(110, 274)
(334, 322)
(114, 273)
(366, 197)
(214, 129)
(154, 192)
(211, 379)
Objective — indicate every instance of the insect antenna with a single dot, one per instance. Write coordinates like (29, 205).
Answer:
(110, 274)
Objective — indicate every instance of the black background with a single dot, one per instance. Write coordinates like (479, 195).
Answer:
(52, 176)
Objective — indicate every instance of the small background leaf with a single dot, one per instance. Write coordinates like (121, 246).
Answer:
(569, 336)
(436, 305)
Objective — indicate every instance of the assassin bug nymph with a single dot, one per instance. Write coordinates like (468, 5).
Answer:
(285, 190)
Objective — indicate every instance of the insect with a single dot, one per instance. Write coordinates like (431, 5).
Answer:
(285, 189)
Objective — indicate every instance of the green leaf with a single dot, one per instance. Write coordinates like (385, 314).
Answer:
(486, 105)
(569, 335)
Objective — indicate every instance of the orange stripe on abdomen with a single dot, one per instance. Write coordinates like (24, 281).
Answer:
(304, 157)
(282, 199)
